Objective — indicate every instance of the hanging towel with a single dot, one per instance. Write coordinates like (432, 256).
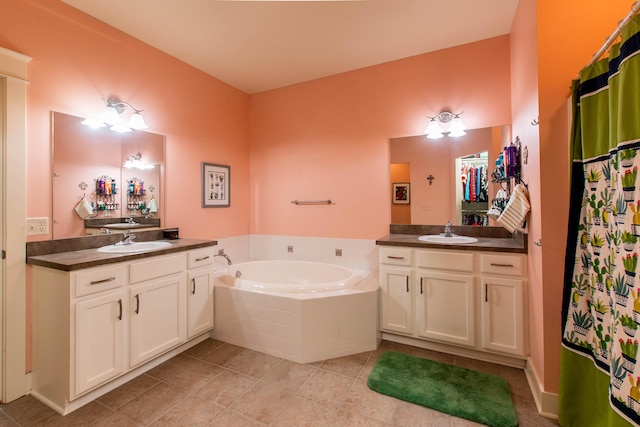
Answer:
(152, 206)
(516, 210)
(83, 209)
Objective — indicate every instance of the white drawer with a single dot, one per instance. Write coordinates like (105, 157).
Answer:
(445, 260)
(200, 257)
(395, 256)
(508, 265)
(99, 279)
(157, 267)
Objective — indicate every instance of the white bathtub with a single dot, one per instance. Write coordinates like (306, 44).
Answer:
(298, 310)
(291, 276)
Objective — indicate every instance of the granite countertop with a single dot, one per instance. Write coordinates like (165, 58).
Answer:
(90, 257)
(491, 239)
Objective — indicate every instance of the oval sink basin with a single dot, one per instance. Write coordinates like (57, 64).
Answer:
(134, 247)
(453, 240)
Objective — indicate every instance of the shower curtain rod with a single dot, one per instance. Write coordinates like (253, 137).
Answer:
(612, 38)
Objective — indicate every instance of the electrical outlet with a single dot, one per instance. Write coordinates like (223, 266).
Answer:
(37, 226)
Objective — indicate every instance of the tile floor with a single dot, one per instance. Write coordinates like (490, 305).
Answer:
(218, 384)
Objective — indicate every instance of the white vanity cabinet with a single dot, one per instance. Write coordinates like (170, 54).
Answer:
(95, 327)
(98, 331)
(157, 306)
(470, 299)
(396, 282)
(502, 280)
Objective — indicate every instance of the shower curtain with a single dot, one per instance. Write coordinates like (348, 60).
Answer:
(600, 370)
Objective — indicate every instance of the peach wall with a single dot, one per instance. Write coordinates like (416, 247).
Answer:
(329, 138)
(77, 60)
(551, 42)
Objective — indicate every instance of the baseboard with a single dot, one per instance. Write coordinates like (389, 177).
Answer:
(547, 403)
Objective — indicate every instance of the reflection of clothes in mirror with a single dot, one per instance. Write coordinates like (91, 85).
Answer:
(474, 183)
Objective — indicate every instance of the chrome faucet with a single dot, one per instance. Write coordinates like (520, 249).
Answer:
(130, 221)
(223, 255)
(127, 238)
(105, 231)
(447, 230)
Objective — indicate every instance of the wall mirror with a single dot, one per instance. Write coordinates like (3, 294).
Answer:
(434, 169)
(88, 162)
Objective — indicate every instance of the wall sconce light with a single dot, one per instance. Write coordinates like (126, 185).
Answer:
(136, 162)
(111, 116)
(454, 128)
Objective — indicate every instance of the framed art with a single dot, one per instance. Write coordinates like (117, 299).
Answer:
(216, 185)
(401, 193)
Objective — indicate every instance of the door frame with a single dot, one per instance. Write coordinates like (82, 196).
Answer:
(13, 303)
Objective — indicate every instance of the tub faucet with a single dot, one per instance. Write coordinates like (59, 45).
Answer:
(447, 230)
(223, 255)
(127, 238)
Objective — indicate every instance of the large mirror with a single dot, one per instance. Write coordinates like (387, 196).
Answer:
(88, 163)
(434, 171)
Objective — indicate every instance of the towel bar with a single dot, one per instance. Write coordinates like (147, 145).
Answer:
(311, 202)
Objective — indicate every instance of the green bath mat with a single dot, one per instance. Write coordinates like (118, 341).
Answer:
(464, 393)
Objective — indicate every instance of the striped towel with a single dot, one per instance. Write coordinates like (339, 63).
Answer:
(516, 210)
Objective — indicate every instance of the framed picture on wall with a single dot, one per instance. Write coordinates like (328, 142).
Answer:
(401, 193)
(216, 185)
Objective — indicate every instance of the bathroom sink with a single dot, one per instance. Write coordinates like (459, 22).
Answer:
(134, 247)
(453, 240)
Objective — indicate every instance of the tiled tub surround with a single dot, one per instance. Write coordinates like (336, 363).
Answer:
(300, 327)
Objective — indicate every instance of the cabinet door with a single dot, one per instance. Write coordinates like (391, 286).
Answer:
(446, 307)
(99, 340)
(503, 315)
(396, 300)
(199, 301)
(158, 317)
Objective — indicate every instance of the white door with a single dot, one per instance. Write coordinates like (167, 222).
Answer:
(396, 299)
(158, 319)
(199, 301)
(502, 315)
(446, 307)
(99, 340)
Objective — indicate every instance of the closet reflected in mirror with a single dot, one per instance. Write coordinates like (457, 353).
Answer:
(434, 168)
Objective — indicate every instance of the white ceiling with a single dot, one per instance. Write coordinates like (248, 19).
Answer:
(261, 45)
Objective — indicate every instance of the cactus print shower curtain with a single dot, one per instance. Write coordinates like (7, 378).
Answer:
(600, 366)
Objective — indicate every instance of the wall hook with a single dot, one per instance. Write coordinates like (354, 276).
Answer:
(430, 178)
(535, 122)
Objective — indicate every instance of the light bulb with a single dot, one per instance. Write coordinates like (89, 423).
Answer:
(137, 121)
(433, 130)
(457, 127)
